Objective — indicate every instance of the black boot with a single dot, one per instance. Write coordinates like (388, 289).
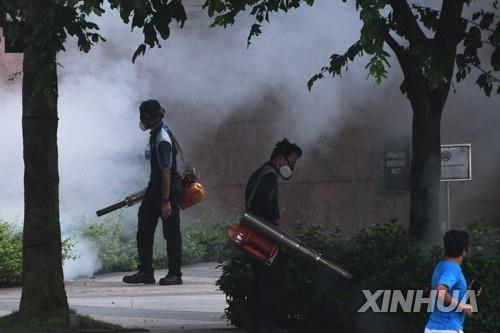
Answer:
(140, 277)
(170, 279)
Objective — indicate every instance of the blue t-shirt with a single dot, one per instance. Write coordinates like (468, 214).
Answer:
(449, 274)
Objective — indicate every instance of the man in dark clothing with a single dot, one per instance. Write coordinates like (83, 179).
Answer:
(160, 200)
(261, 198)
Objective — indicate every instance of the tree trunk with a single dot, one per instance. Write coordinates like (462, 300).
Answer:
(43, 293)
(425, 169)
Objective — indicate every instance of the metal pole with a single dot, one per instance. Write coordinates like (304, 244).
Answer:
(448, 219)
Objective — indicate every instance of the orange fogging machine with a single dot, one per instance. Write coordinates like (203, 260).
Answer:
(192, 194)
(262, 240)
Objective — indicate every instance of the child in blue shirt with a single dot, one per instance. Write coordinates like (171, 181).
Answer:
(450, 287)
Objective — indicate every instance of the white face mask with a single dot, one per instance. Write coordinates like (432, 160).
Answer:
(286, 172)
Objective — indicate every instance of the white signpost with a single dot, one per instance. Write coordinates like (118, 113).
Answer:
(456, 165)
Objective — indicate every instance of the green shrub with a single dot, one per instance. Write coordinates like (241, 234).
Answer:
(11, 254)
(117, 249)
(483, 263)
(204, 241)
(380, 257)
(201, 242)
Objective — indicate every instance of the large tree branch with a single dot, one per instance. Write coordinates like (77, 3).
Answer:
(407, 22)
(395, 46)
(413, 82)
(448, 31)
(448, 34)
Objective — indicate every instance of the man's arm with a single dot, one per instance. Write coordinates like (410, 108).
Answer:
(166, 207)
(165, 162)
(444, 294)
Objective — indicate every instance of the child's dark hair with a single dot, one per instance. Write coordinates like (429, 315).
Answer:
(285, 149)
(455, 242)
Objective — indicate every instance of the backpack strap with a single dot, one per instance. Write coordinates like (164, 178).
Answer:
(267, 169)
(175, 144)
(177, 147)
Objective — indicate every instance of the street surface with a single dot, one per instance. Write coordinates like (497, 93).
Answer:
(195, 306)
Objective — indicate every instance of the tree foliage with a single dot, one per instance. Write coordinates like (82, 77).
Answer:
(421, 35)
(11, 253)
(73, 18)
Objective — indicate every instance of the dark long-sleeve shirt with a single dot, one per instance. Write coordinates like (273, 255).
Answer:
(261, 193)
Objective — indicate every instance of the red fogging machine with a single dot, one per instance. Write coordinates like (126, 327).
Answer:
(262, 240)
(253, 242)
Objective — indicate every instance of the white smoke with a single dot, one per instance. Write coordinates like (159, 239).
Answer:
(11, 161)
(203, 76)
(86, 260)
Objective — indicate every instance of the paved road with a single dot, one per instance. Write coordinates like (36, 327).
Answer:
(195, 305)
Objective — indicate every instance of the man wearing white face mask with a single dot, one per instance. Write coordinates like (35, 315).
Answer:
(261, 198)
(161, 200)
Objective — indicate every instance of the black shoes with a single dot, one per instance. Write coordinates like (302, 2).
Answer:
(170, 280)
(149, 278)
(140, 277)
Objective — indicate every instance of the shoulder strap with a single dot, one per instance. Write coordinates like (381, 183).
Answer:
(264, 171)
(177, 147)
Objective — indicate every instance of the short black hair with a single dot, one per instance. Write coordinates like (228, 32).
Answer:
(150, 107)
(285, 149)
(455, 242)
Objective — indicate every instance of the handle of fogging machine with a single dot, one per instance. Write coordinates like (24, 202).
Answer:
(111, 208)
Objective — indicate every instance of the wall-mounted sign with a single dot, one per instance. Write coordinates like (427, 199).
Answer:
(397, 164)
(456, 162)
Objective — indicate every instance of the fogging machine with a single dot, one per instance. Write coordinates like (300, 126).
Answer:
(262, 240)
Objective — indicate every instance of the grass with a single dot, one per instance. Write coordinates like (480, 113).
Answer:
(15, 323)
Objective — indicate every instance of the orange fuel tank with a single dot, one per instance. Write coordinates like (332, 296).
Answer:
(191, 195)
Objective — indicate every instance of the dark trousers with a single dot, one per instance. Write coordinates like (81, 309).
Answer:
(149, 213)
(267, 288)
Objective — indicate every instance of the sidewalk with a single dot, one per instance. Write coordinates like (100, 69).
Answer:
(197, 306)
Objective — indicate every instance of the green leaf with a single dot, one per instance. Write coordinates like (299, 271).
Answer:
(486, 20)
(139, 18)
(141, 49)
(477, 15)
(484, 83)
(495, 59)
(313, 79)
